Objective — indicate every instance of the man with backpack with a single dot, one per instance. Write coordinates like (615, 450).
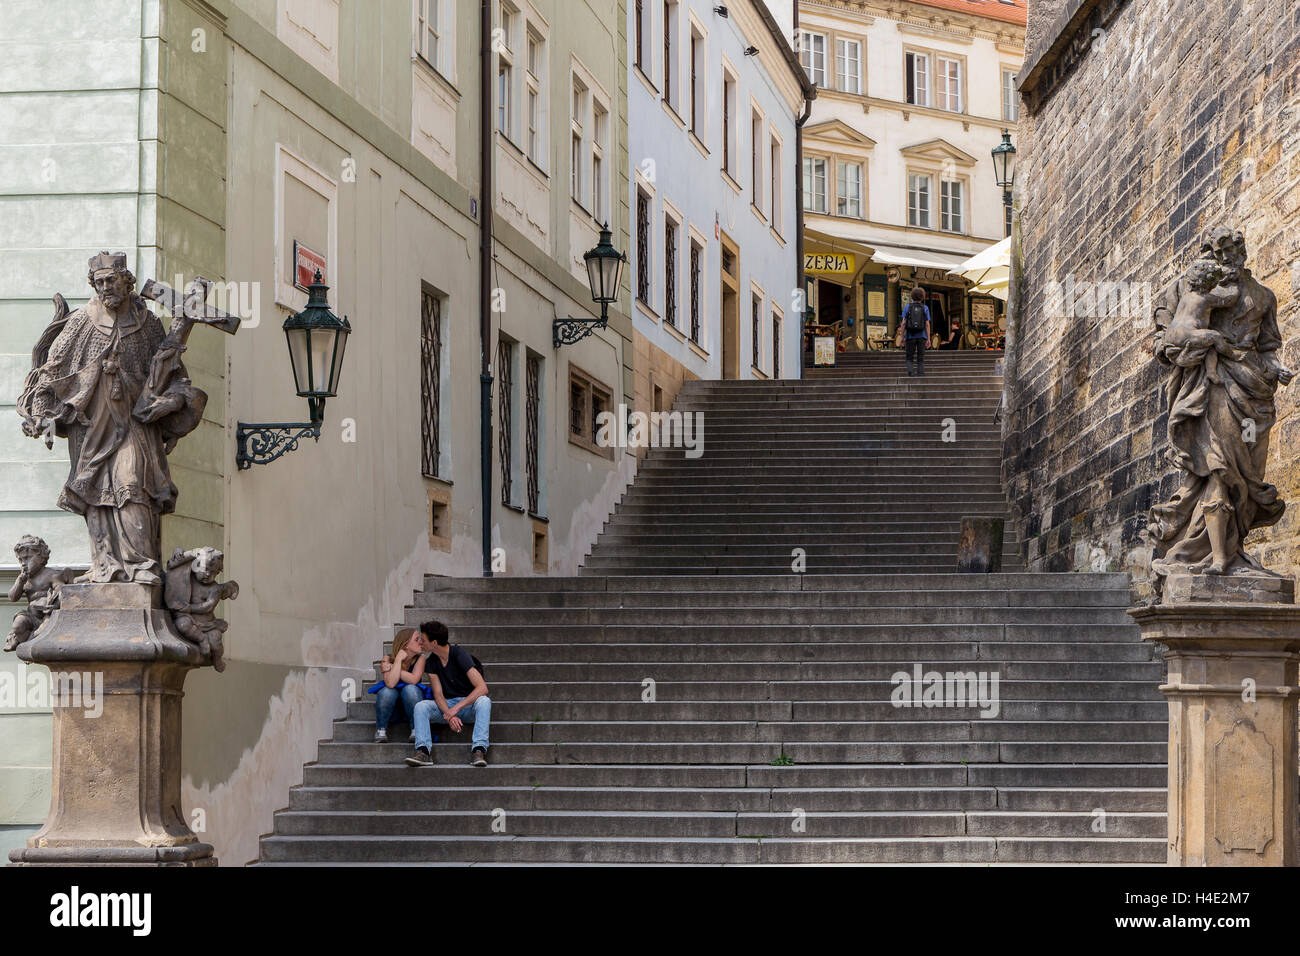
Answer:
(916, 330)
(460, 696)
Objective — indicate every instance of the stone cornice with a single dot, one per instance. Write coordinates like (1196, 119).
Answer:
(940, 22)
(1067, 41)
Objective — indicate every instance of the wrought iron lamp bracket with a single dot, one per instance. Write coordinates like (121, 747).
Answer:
(260, 443)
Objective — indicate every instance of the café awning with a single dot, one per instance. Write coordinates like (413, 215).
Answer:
(919, 258)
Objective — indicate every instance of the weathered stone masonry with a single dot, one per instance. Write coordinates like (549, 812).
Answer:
(1145, 123)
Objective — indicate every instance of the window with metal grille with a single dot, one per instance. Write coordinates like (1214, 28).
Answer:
(696, 255)
(505, 416)
(756, 311)
(776, 345)
(430, 381)
(588, 398)
(643, 247)
(670, 271)
(532, 419)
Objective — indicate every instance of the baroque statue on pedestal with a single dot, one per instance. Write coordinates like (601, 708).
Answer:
(109, 379)
(1217, 332)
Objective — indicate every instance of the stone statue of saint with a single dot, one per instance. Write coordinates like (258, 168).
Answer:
(1217, 331)
(108, 379)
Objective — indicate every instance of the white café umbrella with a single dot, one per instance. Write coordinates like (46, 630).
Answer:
(989, 271)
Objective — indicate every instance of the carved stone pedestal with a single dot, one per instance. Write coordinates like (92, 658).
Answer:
(119, 672)
(1232, 690)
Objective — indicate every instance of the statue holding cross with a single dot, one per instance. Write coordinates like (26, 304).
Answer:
(109, 380)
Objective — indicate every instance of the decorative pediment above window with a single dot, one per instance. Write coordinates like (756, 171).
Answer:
(938, 152)
(838, 133)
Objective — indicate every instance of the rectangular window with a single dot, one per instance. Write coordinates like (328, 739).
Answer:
(848, 66)
(812, 54)
(642, 246)
(670, 271)
(917, 78)
(587, 399)
(756, 327)
(505, 416)
(697, 257)
(918, 201)
(670, 52)
(948, 72)
(599, 118)
(577, 149)
(534, 84)
(428, 30)
(1010, 98)
(774, 169)
(814, 184)
(950, 207)
(503, 95)
(1006, 217)
(729, 124)
(756, 156)
(848, 201)
(533, 432)
(638, 48)
(776, 345)
(430, 382)
(697, 68)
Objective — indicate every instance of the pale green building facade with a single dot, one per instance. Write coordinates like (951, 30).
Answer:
(206, 138)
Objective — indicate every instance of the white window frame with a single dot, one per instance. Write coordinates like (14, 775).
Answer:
(809, 57)
(842, 195)
(952, 219)
(442, 14)
(730, 121)
(697, 67)
(776, 161)
(757, 124)
(536, 117)
(914, 208)
(671, 83)
(920, 75)
(599, 168)
(948, 89)
(810, 176)
(846, 81)
(509, 19)
(579, 98)
(1010, 96)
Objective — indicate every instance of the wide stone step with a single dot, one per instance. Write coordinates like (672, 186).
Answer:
(709, 851)
(806, 582)
(874, 600)
(671, 615)
(797, 690)
(933, 652)
(1028, 710)
(730, 669)
(897, 731)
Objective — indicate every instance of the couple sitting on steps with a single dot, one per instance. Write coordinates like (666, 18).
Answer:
(455, 694)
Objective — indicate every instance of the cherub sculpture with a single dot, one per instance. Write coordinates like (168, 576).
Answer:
(192, 594)
(39, 584)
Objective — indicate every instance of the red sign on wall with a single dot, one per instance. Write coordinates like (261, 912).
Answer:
(305, 264)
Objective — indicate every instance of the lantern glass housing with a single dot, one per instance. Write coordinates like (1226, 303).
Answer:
(1004, 162)
(317, 340)
(604, 268)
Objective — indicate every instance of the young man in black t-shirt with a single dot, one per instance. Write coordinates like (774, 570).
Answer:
(460, 696)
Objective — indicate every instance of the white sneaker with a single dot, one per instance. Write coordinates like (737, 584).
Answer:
(381, 736)
(412, 737)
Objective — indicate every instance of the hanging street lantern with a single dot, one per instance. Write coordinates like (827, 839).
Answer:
(604, 273)
(317, 339)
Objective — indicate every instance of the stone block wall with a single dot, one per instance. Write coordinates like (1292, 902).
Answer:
(1145, 123)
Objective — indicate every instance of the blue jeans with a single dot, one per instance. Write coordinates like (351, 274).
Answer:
(386, 702)
(478, 713)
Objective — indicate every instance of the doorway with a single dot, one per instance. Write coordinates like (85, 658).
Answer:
(730, 272)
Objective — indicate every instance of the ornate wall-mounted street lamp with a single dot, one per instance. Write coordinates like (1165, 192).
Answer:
(1004, 168)
(317, 339)
(604, 272)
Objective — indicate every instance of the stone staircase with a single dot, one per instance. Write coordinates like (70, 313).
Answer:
(687, 702)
